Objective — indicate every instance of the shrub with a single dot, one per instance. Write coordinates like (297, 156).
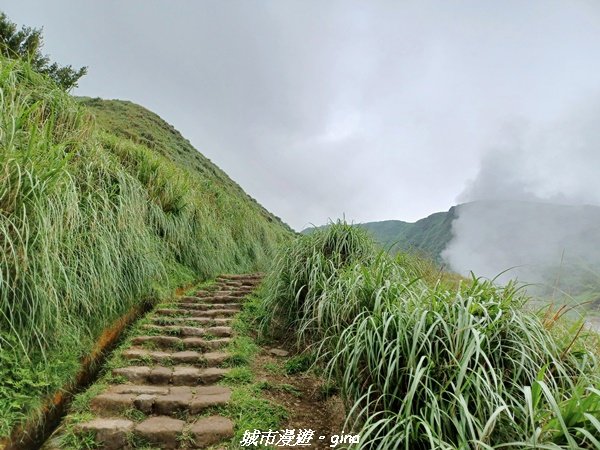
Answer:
(426, 364)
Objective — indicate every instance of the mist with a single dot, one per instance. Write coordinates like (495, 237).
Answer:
(372, 110)
(532, 208)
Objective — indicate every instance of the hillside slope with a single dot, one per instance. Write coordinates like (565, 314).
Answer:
(425, 362)
(428, 236)
(103, 206)
(138, 124)
(498, 222)
(550, 245)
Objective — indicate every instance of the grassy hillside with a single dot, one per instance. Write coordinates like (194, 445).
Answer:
(102, 206)
(532, 223)
(136, 123)
(427, 236)
(424, 362)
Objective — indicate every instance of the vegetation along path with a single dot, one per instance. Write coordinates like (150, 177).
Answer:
(170, 376)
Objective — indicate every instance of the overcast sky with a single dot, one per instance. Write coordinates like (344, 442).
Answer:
(376, 110)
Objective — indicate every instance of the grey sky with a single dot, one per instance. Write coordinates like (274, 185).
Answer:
(379, 110)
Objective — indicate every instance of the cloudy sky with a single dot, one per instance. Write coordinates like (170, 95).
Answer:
(376, 110)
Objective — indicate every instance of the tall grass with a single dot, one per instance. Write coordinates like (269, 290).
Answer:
(91, 224)
(427, 363)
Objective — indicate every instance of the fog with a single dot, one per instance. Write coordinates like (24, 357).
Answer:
(376, 110)
(373, 110)
(533, 207)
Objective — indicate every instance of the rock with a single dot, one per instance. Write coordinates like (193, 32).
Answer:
(161, 430)
(164, 341)
(144, 402)
(139, 389)
(207, 396)
(215, 358)
(160, 375)
(186, 357)
(211, 430)
(220, 331)
(135, 353)
(111, 403)
(135, 374)
(279, 352)
(186, 376)
(111, 433)
(192, 331)
(212, 375)
(218, 312)
(178, 399)
(205, 344)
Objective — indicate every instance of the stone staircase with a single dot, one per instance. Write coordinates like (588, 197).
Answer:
(170, 380)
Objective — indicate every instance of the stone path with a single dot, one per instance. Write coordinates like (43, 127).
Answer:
(172, 375)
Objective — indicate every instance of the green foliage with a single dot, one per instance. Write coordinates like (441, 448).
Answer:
(91, 226)
(26, 44)
(80, 441)
(249, 411)
(134, 414)
(241, 350)
(299, 363)
(239, 375)
(303, 269)
(424, 363)
(427, 236)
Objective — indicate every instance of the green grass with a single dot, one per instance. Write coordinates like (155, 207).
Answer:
(247, 407)
(97, 215)
(298, 364)
(239, 375)
(426, 362)
(428, 236)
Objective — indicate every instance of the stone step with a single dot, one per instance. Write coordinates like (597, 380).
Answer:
(167, 400)
(210, 430)
(220, 292)
(234, 295)
(238, 286)
(110, 433)
(225, 290)
(235, 276)
(210, 321)
(210, 359)
(163, 431)
(177, 375)
(175, 330)
(224, 312)
(179, 343)
(223, 298)
(203, 293)
(206, 306)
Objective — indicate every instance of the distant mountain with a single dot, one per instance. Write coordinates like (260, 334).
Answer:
(428, 236)
(551, 247)
(496, 224)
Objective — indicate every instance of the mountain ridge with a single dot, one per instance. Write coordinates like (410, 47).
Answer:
(431, 234)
